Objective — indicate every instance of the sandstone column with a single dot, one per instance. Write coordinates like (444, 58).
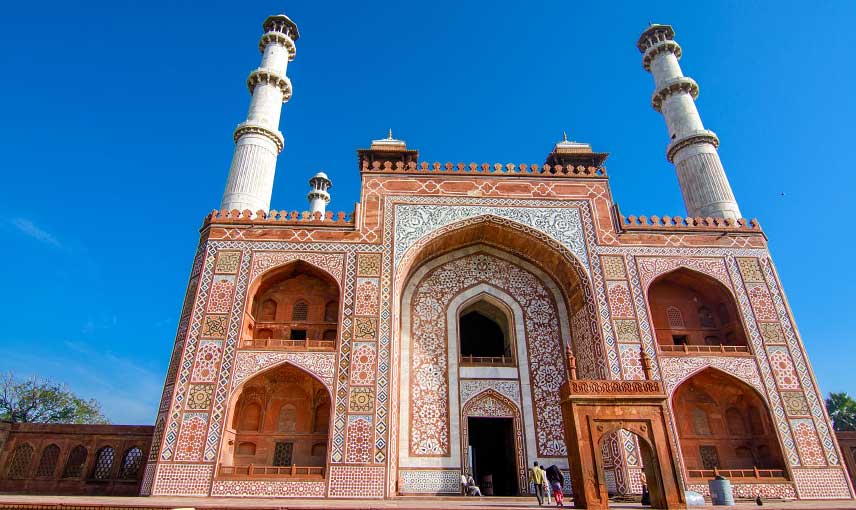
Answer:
(258, 140)
(693, 148)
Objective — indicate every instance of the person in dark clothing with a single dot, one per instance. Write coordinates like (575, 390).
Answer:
(556, 480)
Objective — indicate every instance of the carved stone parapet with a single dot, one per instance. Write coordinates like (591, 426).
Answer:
(266, 76)
(291, 219)
(661, 47)
(702, 136)
(246, 128)
(280, 38)
(674, 86)
(673, 224)
(615, 387)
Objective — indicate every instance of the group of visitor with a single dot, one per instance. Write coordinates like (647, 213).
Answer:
(546, 482)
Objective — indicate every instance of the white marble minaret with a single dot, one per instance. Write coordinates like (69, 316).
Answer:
(693, 148)
(258, 140)
(319, 195)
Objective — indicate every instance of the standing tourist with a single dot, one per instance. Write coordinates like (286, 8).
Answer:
(537, 478)
(557, 481)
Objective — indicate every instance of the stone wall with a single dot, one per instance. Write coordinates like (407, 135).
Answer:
(38, 458)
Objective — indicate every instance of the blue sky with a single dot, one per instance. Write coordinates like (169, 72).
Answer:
(117, 122)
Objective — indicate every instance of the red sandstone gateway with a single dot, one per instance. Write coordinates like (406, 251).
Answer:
(475, 318)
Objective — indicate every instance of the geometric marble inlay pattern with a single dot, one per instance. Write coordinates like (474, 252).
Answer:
(429, 403)
(783, 368)
(808, 445)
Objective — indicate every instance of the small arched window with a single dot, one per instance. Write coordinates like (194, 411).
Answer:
(734, 421)
(268, 310)
(701, 425)
(722, 311)
(319, 450)
(19, 466)
(251, 417)
(705, 318)
(132, 461)
(287, 419)
(103, 463)
(47, 464)
(745, 459)
(246, 448)
(756, 425)
(331, 311)
(675, 317)
(300, 311)
(322, 418)
(74, 464)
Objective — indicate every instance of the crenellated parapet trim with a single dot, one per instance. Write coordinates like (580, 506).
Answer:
(671, 224)
(274, 217)
(268, 77)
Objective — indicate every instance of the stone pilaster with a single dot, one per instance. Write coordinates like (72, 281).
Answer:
(692, 148)
(258, 140)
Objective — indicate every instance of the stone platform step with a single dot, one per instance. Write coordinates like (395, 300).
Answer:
(400, 503)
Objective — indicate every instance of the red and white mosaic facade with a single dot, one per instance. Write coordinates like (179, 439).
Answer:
(542, 245)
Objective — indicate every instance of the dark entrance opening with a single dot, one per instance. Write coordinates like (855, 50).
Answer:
(493, 450)
(481, 336)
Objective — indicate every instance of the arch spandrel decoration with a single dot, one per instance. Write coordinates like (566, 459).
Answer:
(264, 261)
(473, 387)
(423, 229)
(678, 369)
(490, 404)
(652, 267)
(319, 364)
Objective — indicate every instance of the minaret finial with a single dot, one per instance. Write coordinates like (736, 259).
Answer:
(258, 140)
(389, 137)
(564, 136)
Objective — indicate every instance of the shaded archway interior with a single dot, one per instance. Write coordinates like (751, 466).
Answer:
(493, 463)
(484, 332)
(292, 305)
(689, 308)
(724, 424)
(280, 419)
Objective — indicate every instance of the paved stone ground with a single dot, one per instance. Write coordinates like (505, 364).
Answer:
(427, 503)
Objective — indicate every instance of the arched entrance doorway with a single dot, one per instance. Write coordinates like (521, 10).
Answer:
(481, 310)
(278, 427)
(593, 410)
(492, 437)
(725, 427)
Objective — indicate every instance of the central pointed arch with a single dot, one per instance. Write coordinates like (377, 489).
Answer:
(532, 245)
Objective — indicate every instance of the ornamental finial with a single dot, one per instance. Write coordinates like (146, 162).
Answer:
(389, 137)
(572, 362)
(564, 136)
